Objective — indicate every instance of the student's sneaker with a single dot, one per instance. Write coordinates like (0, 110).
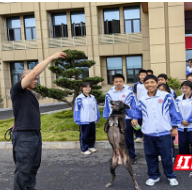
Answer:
(86, 152)
(92, 150)
(139, 140)
(159, 158)
(151, 182)
(173, 182)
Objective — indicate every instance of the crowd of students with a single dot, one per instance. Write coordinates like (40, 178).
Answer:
(156, 107)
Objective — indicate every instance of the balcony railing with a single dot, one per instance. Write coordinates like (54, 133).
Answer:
(68, 41)
(120, 38)
(18, 45)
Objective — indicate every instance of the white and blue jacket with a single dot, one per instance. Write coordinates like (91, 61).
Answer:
(86, 110)
(139, 89)
(188, 70)
(159, 114)
(126, 95)
(173, 93)
(185, 108)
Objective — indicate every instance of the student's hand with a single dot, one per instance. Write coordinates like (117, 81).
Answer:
(134, 122)
(12, 127)
(185, 123)
(173, 132)
(58, 55)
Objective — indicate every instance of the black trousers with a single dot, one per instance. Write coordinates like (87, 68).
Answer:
(27, 148)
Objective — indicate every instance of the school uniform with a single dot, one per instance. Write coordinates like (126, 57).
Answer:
(139, 89)
(159, 114)
(188, 70)
(127, 96)
(185, 132)
(172, 92)
(125, 86)
(86, 114)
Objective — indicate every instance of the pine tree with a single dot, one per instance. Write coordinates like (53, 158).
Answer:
(69, 81)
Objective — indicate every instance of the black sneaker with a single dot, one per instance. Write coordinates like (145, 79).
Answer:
(134, 161)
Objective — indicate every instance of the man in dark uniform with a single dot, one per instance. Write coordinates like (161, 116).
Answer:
(26, 137)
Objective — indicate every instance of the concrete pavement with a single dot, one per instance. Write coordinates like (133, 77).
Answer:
(69, 169)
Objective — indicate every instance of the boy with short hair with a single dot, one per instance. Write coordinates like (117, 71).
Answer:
(163, 79)
(121, 92)
(139, 90)
(189, 77)
(160, 119)
(189, 68)
(149, 72)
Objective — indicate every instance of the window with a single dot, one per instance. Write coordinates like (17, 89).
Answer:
(78, 23)
(134, 64)
(111, 21)
(188, 23)
(114, 65)
(59, 21)
(30, 29)
(132, 19)
(13, 29)
(31, 65)
(16, 68)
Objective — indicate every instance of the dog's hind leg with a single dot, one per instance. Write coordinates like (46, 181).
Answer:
(128, 165)
(114, 164)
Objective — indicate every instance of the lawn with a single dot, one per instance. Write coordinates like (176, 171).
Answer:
(59, 127)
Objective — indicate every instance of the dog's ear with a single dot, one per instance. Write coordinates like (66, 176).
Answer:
(126, 106)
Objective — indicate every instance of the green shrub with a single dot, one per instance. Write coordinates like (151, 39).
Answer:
(1, 102)
(174, 83)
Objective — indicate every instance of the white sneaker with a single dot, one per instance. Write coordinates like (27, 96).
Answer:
(139, 140)
(151, 182)
(159, 158)
(92, 150)
(173, 182)
(86, 152)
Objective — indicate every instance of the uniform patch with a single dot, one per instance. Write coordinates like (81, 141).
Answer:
(123, 96)
(160, 101)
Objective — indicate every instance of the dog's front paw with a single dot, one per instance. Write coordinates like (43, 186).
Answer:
(108, 185)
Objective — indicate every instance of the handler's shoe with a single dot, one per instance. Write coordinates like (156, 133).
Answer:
(159, 158)
(86, 152)
(151, 182)
(173, 182)
(92, 150)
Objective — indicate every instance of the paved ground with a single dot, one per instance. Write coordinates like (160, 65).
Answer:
(68, 169)
(43, 109)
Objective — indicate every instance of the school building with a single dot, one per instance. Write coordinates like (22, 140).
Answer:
(122, 37)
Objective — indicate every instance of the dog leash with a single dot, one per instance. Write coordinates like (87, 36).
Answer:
(8, 133)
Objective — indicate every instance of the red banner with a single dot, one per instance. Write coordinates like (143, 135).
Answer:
(183, 163)
(188, 42)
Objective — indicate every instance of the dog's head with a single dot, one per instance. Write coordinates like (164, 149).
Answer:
(118, 106)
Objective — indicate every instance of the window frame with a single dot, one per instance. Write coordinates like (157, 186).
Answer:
(25, 17)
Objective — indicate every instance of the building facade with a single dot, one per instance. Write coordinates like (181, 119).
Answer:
(120, 37)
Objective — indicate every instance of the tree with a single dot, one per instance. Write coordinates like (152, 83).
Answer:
(69, 72)
(1, 102)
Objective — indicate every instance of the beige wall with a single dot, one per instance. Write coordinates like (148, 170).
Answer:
(161, 46)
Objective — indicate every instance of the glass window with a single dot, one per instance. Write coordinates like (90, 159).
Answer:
(111, 21)
(188, 56)
(114, 66)
(13, 29)
(59, 21)
(16, 69)
(188, 23)
(30, 29)
(31, 65)
(134, 64)
(78, 23)
(132, 19)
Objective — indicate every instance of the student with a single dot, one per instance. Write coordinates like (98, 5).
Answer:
(149, 72)
(160, 118)
(86, 114)
(162, 78)
(165, 87)
(189, 77)
(139, 90)
(26, 136)
(189, 68)
(185, 128)
(122, 93)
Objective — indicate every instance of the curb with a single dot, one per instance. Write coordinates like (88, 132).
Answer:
(71, 145)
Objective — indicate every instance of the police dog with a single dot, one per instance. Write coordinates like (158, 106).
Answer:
(115, 127)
